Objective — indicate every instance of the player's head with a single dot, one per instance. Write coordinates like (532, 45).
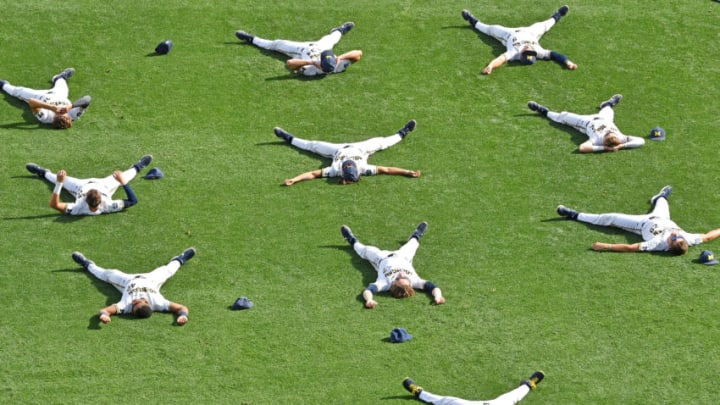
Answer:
(93, 199)
(402, 287)
(328, 61)
(528, 55)
(611, 140)
(141, 308)
(677, 244)
(349, 173)
(62, 121)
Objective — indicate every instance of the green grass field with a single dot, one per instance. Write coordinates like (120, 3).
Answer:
(524, 291)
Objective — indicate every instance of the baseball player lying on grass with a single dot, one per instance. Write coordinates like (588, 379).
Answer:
(603, 134)
(522, 43)
(51, 106)
(349, 159)
(310, 58)
(140, 292)
(394, 268)
(658, 231)
(92, 196)
(509, 398)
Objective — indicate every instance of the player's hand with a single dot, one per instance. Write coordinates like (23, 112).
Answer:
(370, 304)
(117, 174)
(439, 300)
(61, 176)
(104, 318)
(182, 320)
(289, 182)
(61, 110)
(571, 65)
(414, 173)
(487, 70)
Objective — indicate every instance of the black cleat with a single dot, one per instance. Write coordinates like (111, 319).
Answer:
(348, 235)
(83, 102)
(186, 255)
(345, 28)
(534, 379)
(560, 13)
(612, 101)
(542, 110)
(80, 259)
(36, 170)
(65, 74)
(566, 212)
(409, 127)
(469, 17)
(281, 133)
(413, 388)
(244, 36)
(419, 231)
(664, 193)
(143, 162)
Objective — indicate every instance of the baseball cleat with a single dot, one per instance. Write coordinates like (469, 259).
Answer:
(534, 379)
(664, 193)
(83, 102)
(469, 17)
(612, 101)
(409, 127)
(419, 231)
(244, 36)
(560, 13)
(345, 28)
(281, 133)
(186, 255)
(542, 110)
(566, 212)
(36, 170)
(65, 74)
(80, 259)
(413, 388)
(2, 83)
(143, 162)
(348, 235)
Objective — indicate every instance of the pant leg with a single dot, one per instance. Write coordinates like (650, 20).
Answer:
(117, 278)
(512, 397)
(408, 250)
(293, 49)
(373, 145)
(72, 184)
(431, 398)
(496, 31)
(161, 274)
(607, 112)
(24, 93)
(577, 121)
(629, 223)
(661, 208)
(370, 253)
(110, 184)
(540, 28)
(329, 40)
(324, 149)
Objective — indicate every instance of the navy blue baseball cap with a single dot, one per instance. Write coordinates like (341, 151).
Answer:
(399, 335)
(154, 173)
(350, 171)
(708, 258)
(327, 61)
(657, 134)
(528, 56)
(242, 303)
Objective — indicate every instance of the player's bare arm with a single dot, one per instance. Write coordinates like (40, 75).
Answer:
(398, 171)
(305, 176)
(368, 297)
(615, 247)
(181, 311)
(36, 105)
(495, 63)
(55, 197)
(711, 235)
(437, 296)
(117, 175)
(352, 56)
(106, 313)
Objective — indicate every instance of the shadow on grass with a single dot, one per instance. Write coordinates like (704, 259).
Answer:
(30, 121)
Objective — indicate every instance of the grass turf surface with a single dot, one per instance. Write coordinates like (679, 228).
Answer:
(524, 291)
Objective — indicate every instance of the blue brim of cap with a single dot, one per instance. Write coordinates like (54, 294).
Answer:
(711, 262)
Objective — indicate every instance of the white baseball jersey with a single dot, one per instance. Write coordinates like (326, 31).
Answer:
(657, 230)
(141, 287)
(350, 152)
(306, 51)
(390, 264)
(47, 116)
(107, 206)
(312, 70)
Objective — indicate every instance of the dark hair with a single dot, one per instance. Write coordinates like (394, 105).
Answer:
(680, 247)
(93, 198)
(143, 311)
(62, 121)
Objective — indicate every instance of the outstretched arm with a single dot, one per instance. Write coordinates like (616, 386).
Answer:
(588, 147)
(55, 197)
(711, 235)
(36, 105)
(368, 296)
(435, 292)
(305, 176)
(495, 63)
(616, 247)
(181, 311)
(352, 56)
(398, 171)
(563, 60)
(106, 312)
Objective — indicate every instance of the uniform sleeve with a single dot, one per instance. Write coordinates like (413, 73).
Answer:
(693, 238)
(342, 66)
(328, 172)
(45, 116)
(633, 142)
(369, 170)
(310, 70)
(656, 244)
(113, 206)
